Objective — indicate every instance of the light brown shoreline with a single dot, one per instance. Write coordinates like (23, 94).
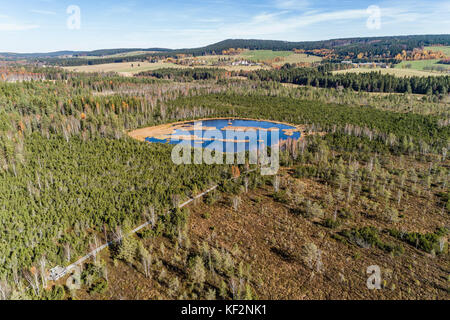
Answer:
(164, 131)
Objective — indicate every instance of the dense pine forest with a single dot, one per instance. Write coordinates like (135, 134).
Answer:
(371, 82)
(71, 178)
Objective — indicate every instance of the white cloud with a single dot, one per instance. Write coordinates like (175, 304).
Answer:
(17, 27)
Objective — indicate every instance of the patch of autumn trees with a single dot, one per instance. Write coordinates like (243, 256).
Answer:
(419, 54)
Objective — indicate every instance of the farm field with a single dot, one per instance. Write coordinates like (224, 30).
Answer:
(264, 55)
(422, 65)
(299, 58)
(126, 69)
(117, 55)
(399, 72)
(444, 49)
(284, 56)
(123, 68)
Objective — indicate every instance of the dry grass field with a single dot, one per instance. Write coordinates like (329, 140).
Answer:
(124, 68)
(117, 55)
(394, 71)
(209, 61)
(299, 58)
(284, 56)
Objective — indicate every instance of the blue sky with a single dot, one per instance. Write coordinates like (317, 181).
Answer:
(41, 25)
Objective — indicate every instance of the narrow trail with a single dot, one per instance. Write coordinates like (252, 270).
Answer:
(59, 272)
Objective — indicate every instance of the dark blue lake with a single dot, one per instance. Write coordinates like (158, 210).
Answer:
(229, 135)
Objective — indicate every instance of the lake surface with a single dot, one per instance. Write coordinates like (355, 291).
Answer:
(227, 135)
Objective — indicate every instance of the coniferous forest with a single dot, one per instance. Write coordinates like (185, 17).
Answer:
(367, 181)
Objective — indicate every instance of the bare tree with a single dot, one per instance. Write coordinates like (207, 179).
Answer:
(233, 287)
(236, 203)
(153, 217)
(276, 183)
(5, 290)
(43, 271)
(146, 264)
(175, 200)
(33, 280)
(93, 247)
(67, 251)
(118, 234)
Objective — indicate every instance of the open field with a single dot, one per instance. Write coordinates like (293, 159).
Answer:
(299, 58)
(125, 68)
(395, 71)
(422, 65)
(444, 49)
(264, 55)
(117, 55)
(284, 56)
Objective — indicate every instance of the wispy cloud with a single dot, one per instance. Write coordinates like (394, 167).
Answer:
(283, 22)
(45, 12)
(185, 23)
(268, 24)
(17, 27)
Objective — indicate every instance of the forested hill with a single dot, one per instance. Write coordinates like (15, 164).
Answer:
(94, 53)
(377, 45)
(372, 47)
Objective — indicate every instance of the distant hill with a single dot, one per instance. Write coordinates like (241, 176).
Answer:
(377, 45)
(101, 52)
(373, 47)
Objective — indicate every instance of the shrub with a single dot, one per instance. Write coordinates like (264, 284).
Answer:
(391, 215)
(100, 286)
(57, 293)
(331, 223)
(127, 249)
(206, 215)
(197, 273)
(281, 196)
(174, 221)
(427, 242)
(367, 237)
(313, 209)
(212, 197)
